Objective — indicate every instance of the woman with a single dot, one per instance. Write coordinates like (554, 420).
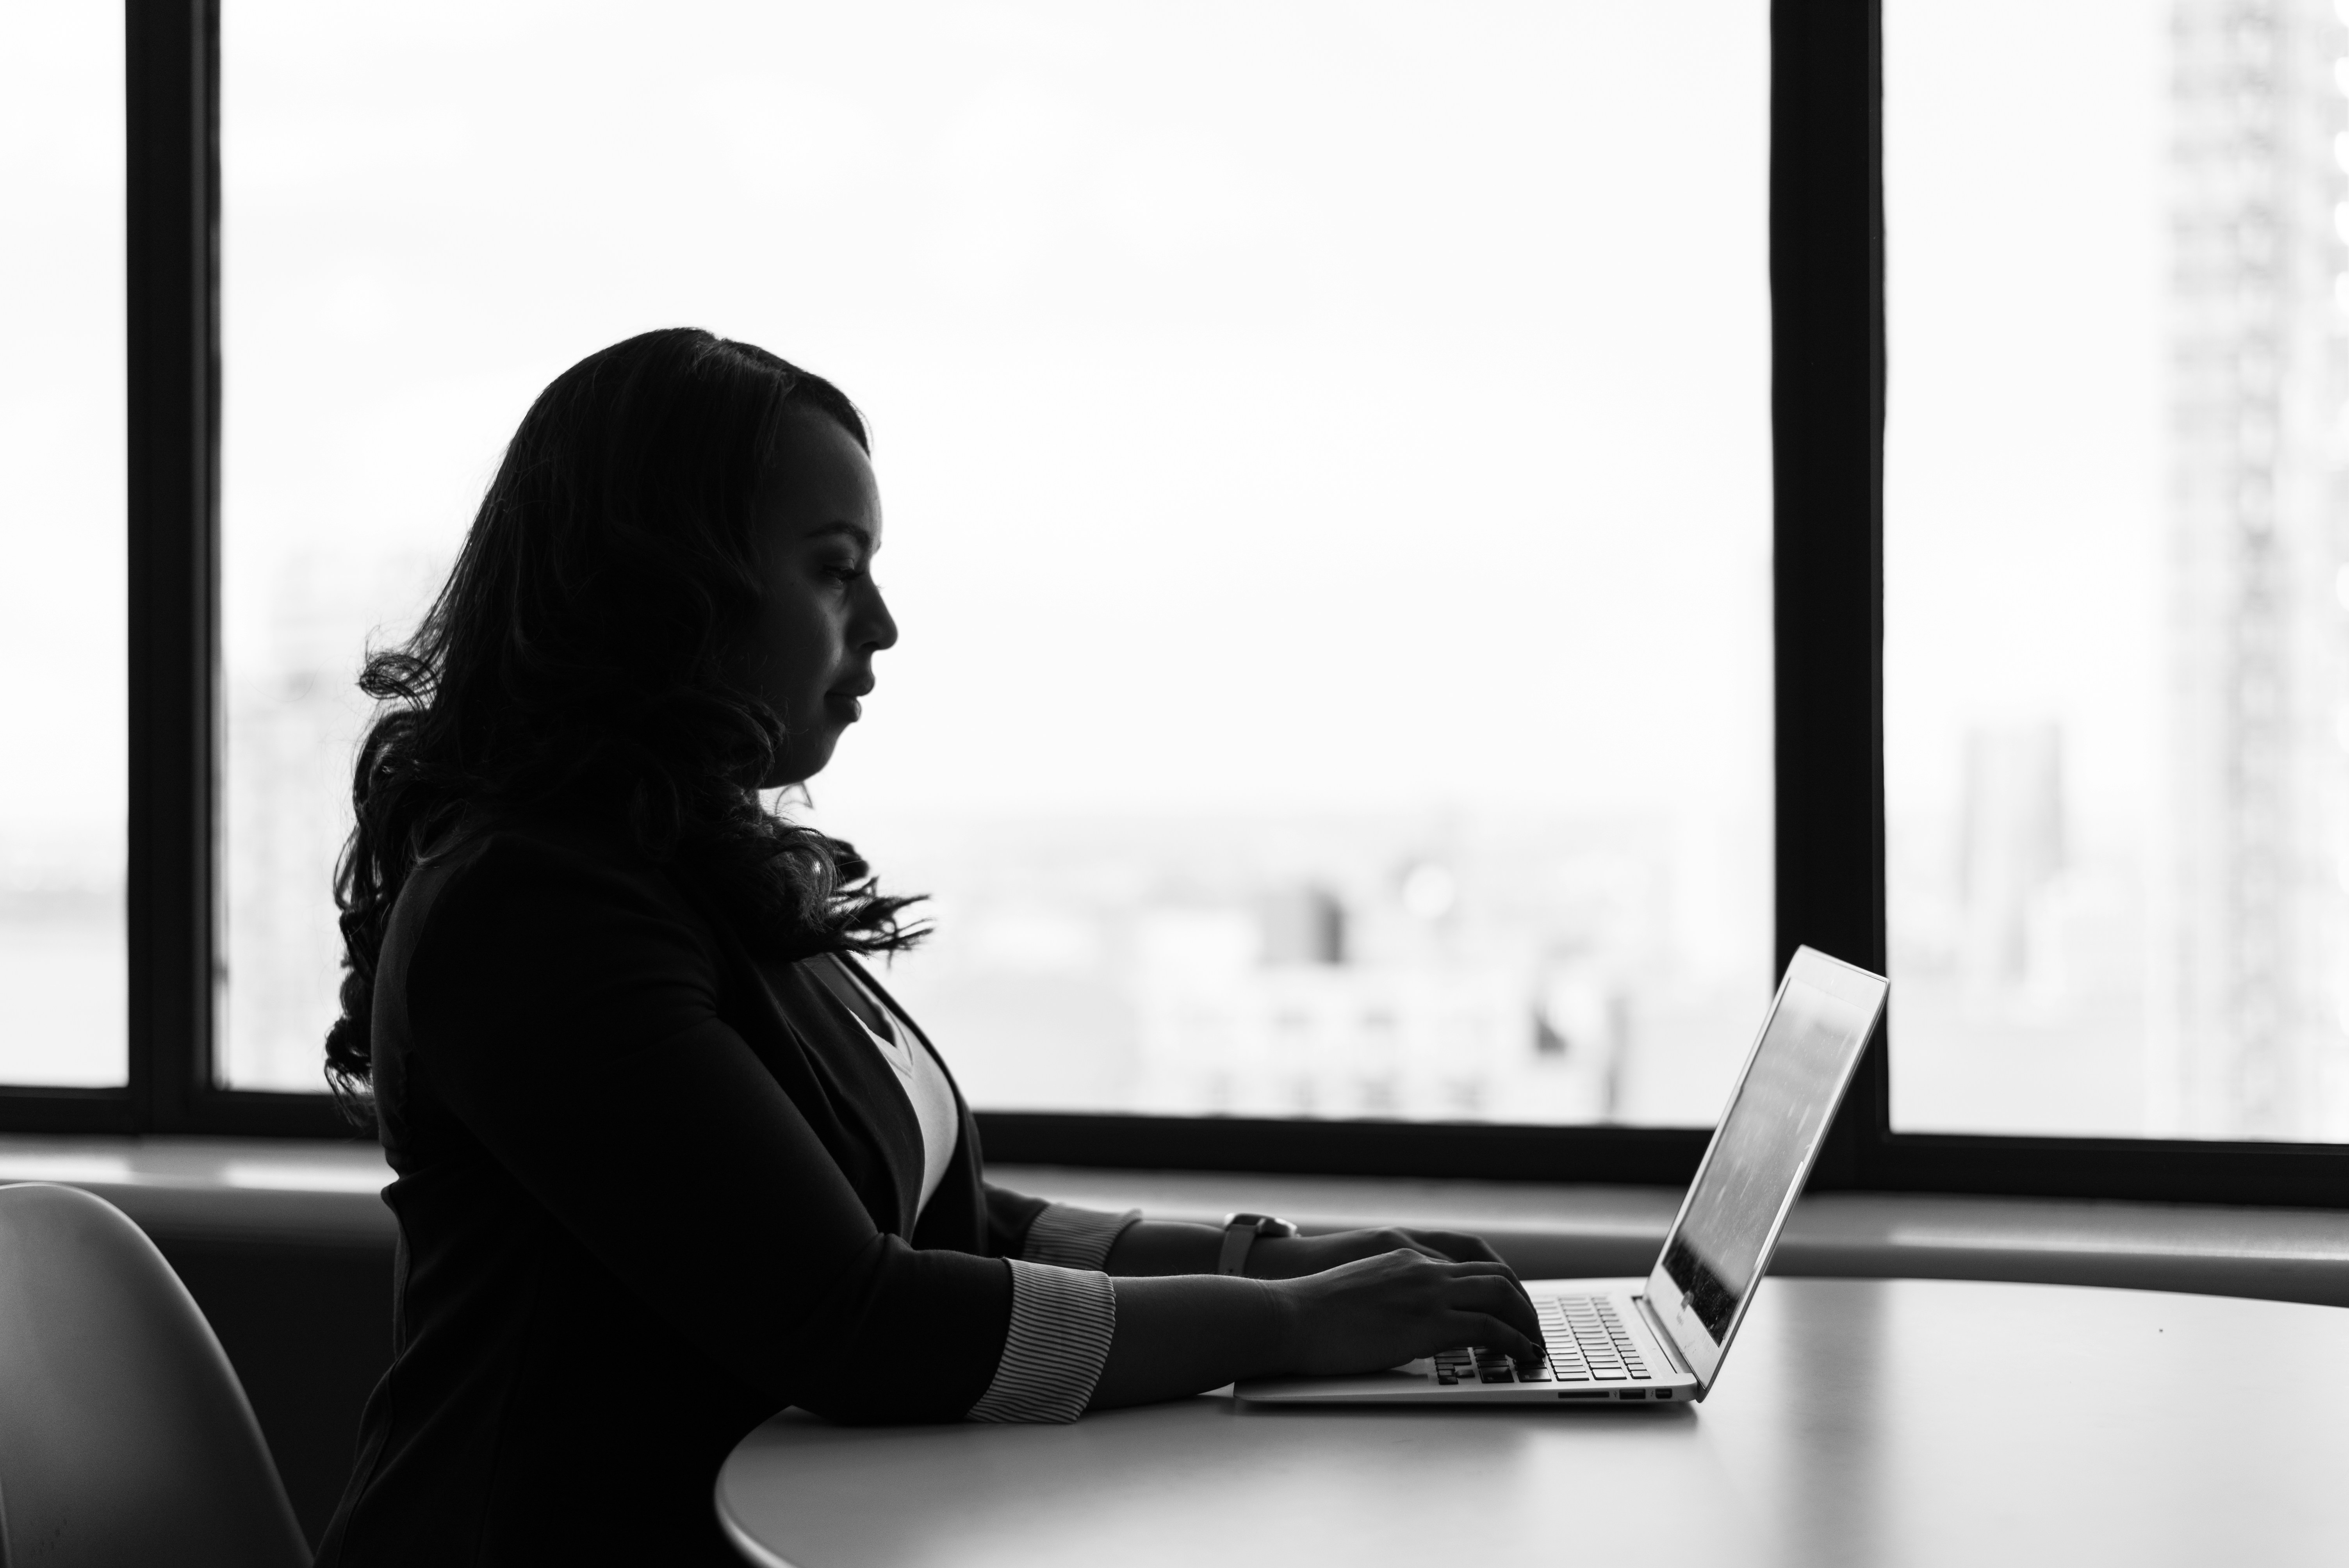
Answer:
(668, 1156)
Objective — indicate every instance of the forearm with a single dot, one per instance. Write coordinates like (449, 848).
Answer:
(1189, 1333)
(1150, 1248)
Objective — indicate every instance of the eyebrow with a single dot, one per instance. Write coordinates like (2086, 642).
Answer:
(863, 536)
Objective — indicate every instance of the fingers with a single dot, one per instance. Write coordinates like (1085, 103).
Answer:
(1395, 1239)
(1465, 1324)
(1457, 1246)
(1493, 1334)
(1481, 1270)
(1504, 1301)
(1445, 1246)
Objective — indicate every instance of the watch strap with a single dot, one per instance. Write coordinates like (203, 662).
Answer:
(1239, 1235)
(1240, 1231)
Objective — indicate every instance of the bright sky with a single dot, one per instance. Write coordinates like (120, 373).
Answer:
(1274, 405)
(1377, 425)
(2024, 449)
(61, 433)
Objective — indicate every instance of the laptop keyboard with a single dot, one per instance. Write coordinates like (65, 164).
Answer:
(1586, 1340)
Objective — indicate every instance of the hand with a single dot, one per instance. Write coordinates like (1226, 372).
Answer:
(1380, 1311)
(1293, 1257)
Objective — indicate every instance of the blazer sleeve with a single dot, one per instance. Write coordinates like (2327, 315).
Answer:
(565, 1011)
(1008, 1216)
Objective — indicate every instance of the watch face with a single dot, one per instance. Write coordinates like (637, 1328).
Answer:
(1262, 1224)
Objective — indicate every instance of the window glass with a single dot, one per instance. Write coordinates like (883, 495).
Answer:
(62, 597)
(1326, 448)
(2117, 567)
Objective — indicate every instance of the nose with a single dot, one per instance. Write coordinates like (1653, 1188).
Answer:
(877, 627)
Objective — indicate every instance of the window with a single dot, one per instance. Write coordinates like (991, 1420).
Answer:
(2056, 743)
(1334, 573)
(2117, 569)
(62, 634)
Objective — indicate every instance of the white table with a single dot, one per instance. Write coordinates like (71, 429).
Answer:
(1867, 1422)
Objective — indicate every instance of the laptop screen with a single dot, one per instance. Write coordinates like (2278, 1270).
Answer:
(1773, 1126)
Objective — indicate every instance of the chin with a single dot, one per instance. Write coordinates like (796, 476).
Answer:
(802, 764)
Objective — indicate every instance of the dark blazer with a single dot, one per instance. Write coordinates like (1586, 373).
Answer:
(650, 1191)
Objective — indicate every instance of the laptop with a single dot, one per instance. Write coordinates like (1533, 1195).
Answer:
(1665, 1338)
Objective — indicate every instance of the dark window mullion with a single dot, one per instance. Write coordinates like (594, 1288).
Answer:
(1827, 292)
(174, 641)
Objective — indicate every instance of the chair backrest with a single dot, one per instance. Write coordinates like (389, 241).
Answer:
(124, 1434)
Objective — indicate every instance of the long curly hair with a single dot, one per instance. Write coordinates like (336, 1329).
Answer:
(576, 663)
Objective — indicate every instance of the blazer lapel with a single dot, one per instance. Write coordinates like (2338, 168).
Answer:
(818, 1052)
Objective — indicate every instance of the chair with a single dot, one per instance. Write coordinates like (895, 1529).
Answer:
(125, 1437)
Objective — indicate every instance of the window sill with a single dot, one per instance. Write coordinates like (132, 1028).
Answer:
(263, 1192)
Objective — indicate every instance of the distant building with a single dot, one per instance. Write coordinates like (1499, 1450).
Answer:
(1255, 1012)
(288, 745)
(293, 716)
(1303, 925)
(2011, 847)
(2249, 997)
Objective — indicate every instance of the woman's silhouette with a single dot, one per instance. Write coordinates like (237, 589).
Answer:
(668, 1156)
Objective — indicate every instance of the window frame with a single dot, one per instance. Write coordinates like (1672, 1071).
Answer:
(1828, 392)
(170, 892)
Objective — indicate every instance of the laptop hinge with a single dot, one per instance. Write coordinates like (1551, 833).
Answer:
(1662, 1336)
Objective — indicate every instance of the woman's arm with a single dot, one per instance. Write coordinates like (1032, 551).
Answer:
(566, 1013)
(1181, 1247)
(1184, 1334)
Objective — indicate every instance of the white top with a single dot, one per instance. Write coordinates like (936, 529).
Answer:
(925, 1083)
(919, 1074)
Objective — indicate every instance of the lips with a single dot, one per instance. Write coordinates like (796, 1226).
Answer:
(844, 700)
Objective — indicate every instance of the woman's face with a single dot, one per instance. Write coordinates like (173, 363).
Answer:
(818, 525)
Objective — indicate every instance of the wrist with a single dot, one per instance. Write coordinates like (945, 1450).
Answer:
(1281, 1257)
(1284, 1323)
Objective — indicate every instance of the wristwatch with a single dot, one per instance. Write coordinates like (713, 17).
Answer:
(1240, 1231)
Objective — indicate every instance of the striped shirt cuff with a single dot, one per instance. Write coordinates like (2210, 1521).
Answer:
(1069, 1237)
(1062, 1323)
